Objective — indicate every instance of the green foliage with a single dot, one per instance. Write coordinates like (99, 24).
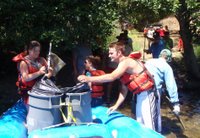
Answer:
(63, 22)
(188, 10)
(138, 40)
(144, 12)
(68, 22)
(197, 51)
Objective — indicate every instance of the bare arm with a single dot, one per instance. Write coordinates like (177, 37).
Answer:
(25, 74)
(117, 73)
(120, 100)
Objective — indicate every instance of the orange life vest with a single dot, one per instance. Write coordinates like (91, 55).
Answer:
(32, 68)
(97, 88)
(137, 83)
(135, 55)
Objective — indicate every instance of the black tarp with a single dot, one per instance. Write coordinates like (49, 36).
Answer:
(47, 86)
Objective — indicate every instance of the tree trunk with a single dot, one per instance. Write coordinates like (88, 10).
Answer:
(183, 16)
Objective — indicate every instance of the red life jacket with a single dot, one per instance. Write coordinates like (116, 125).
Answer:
(32, 68)
(97, 88)
(161, 32)
(137, 83)
(135, 55)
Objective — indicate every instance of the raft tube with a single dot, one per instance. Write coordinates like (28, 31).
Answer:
(115, 125)
(81, 131)
(12, 122)
(122, 126)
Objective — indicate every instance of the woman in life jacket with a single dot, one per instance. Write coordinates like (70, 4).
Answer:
(92, 65)
(30, 68)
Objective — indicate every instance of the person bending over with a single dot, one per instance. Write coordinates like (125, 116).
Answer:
(134, 77)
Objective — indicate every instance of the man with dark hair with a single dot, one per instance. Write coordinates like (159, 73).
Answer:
(124, 38)
(156, 46)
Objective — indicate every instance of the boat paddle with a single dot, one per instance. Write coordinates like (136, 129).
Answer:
(167, 100)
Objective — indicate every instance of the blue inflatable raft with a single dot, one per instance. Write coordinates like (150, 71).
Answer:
(115, 125)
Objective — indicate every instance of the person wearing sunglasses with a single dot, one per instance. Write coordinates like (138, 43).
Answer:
(92, 66)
